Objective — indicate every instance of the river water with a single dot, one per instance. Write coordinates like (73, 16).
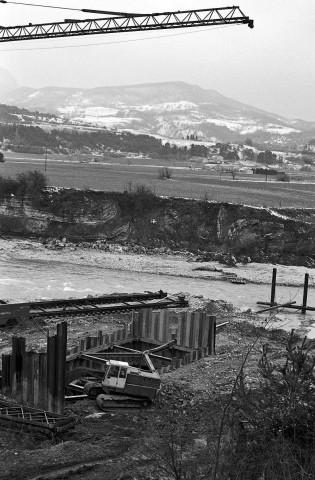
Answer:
(24, 280)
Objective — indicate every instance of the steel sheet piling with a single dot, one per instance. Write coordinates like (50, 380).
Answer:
(61, 353)
(304, 305)
(273, 287)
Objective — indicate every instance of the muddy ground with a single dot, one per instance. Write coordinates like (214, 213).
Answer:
(125, 444)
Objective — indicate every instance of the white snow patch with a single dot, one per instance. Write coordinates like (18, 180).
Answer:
(35, 94)
(272, 128)
(106, 121)
(100, 112)
(69, 110)
(169, 106)
(235, 126)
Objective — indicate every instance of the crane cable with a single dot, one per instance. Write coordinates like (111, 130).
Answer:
(83, 10)
(43, 6)
(118, 41)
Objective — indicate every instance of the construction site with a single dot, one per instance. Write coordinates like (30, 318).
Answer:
(110, 381)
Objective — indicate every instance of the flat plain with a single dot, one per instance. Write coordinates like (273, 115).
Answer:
(187, 183)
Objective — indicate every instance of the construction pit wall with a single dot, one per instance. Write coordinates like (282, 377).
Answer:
(195, 334)
(39, 380)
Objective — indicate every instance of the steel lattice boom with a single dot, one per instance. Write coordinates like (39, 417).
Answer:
(127, 23)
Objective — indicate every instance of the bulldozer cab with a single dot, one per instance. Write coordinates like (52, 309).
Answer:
(115, 375)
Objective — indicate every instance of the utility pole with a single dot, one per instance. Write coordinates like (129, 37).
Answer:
(45, 156)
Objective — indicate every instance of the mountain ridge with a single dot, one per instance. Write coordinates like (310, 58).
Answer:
(173, 109)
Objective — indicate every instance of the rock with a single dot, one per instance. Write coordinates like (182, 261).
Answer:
(99, 415)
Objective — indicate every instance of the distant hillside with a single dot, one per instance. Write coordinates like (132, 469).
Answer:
(171, 109)
(7, 82)
(12, 114)
(102, 142)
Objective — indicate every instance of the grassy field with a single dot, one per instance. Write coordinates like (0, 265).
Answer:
(198, 184)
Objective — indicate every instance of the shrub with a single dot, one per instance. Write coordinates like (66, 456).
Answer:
(279, 436)
(8, 186)
(165, 173)
(245, 244)
(31, 184)
(26, 184)
(138, 199)
(283, 177)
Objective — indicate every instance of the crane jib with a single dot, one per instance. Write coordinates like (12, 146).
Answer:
(126, 22)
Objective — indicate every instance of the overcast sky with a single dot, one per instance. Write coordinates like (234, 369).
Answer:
(271, 66)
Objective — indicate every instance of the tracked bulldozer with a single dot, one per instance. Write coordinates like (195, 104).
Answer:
(122, 384)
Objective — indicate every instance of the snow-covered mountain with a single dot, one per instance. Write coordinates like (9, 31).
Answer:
(171, 109)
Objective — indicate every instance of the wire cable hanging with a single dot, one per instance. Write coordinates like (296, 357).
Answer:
(83, 10)
(39, 5)
(156, 37)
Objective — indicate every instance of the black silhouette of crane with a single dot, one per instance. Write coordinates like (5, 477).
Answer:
(117, 22)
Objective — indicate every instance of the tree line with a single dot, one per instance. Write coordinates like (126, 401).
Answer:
(33, 139)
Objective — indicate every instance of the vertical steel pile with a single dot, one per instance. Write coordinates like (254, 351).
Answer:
(37, 379)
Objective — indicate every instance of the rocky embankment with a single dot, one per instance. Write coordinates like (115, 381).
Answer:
(141, 222)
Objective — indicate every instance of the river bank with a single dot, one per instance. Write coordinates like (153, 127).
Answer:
(161, 264)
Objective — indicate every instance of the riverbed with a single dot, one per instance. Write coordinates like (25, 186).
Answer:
(29, 271)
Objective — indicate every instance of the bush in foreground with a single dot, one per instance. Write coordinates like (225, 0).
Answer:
(278, 437)
(26, 184)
